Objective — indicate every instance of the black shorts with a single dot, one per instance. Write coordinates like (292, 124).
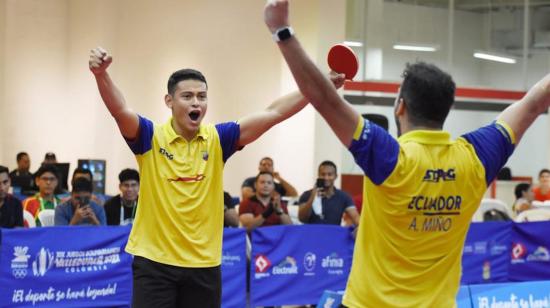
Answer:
(159, 285)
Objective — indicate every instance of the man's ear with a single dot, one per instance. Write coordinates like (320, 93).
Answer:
(168, 101)
(400, 110)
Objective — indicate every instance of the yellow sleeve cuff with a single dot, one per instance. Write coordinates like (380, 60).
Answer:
(508, 130)
(359, 128)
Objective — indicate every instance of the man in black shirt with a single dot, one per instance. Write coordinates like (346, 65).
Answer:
(11, 210)
(21, 178)
(121, 209)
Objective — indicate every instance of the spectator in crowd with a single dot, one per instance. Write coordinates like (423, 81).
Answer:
(230, 215)
(46, 178)
(524, 198)
(87, 174)
(265, 208)
(121, 209)
(80, 209)
(21, 178)
(542, 191)
(49, 158)
(11, 210)
(283, 187)
(325, 204)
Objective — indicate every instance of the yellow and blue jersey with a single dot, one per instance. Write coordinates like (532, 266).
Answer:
(179, 219)
(420, 193)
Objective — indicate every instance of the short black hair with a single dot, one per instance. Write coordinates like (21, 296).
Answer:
(83, 170)
(266, 158)
(50, 155)
(262, 173)
(520, 189)
(4, 169)
(543, 171)
(47, 168)
(428, 93)
(20, 156)
(184, 74)
(82, 185)
(328, 163)
(128, 174)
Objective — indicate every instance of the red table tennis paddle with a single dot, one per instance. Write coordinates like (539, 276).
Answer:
(343, 60)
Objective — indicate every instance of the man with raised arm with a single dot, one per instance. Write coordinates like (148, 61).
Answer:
(420, 190)
(177, 234)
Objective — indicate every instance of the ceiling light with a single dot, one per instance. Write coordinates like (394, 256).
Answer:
(416, 47)
(491, 56)
(353, 43)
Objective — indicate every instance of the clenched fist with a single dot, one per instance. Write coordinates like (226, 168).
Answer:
(99, 60)
(276, 14)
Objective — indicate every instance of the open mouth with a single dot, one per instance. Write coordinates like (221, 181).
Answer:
(194, 115)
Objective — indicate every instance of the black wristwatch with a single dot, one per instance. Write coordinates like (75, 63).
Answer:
(283, 34)
(279, 213)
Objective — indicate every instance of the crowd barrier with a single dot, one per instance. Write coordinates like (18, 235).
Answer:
(87, 266)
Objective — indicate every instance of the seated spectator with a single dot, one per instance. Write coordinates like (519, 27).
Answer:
(283, 187)
(265, 208)
(46, 178)
(325, 204)
(524, 198)
(230, 216)
(49, 158)
(80, 210)
(121, 209)
(542, 191)
(21, 178)
(87, 174)
(11, 210)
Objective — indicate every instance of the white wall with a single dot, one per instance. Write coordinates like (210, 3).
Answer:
(54, 104)
(2, 64)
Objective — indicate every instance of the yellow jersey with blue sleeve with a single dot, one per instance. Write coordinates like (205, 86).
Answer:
(179, 219)
(420, 193)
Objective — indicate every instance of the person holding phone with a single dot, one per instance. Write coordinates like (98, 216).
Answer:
(325, 204)
(80, 209)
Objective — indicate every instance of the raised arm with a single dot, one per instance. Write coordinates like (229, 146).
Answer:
(340, 116)
(126, 119)
(254, 125)
(520, 115)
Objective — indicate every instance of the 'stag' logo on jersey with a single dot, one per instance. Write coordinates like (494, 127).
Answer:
(165, 153)
(434, 175)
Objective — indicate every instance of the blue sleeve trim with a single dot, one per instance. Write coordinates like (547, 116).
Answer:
(143, 141)
(493, 146)
(375, 151)
(229, 133)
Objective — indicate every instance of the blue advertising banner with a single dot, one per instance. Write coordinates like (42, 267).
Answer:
(524, 294)
(293, 265)
(234, 268)
(463, 298)
(486, 253)
(65, 267)
(530, 259)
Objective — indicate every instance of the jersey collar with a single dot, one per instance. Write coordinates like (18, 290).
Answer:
(427, 137)
(172, 136)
